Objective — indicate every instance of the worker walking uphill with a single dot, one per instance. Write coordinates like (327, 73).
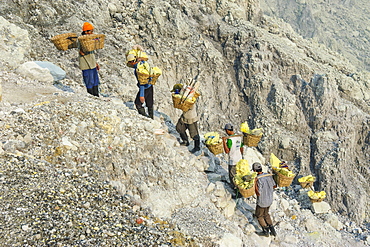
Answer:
(88, 64)
(233, 145)
(265, 185)
(146, 91)
(188, 121)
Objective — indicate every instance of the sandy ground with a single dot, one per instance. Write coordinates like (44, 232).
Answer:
(18, 94)
(17, 90)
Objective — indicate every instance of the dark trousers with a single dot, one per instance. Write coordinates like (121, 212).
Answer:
(148, 95)
(263, 216)
(181, 127)
(232, 173)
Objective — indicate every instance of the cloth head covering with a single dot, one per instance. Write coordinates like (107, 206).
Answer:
(229, 126)
(87, 26)
(256, 166)
(283, 164)
(130, 57)
(176, 86)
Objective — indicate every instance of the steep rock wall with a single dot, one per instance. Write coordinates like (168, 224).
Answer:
(342, 25)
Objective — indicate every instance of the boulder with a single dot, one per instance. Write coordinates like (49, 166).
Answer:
(33, 71)
(14, 43)
(57, 73)
(321, 207)
(230, 240)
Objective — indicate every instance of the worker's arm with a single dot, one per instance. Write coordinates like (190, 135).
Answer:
(226, 148)
(142, 90)
(256, 187)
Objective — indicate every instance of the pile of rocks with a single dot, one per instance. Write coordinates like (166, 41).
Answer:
(43, 204)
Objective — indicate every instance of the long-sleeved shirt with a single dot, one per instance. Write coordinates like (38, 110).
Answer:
(264, 190)
(88, 61)
(190, 116)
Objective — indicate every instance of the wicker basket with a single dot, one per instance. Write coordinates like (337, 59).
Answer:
(142, 78)
(181, 104)
(248, 192)
(91, 42)
(306, 185)
(281, 180)
(196, 94)
(251, 140)
(216, 148)
(154, 79)
(65, 41)
(142, 55)
(316, 200)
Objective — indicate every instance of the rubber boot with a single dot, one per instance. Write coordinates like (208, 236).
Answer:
(272, 230)
(90, 91)
(142, 112)
(185, 140)
(196, 144)
(265, 232)
(95, 91)
(151, 112)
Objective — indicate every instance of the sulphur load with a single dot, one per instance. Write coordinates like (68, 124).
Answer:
(305, 179)
(184, 96)
(155, 72)
(282, 175)
(285, 172)
(280, 166)
(190, 100)
(138, 52)
(212, 138)
(146, 74)
(244, 127)
(316, 196)
(143, 68)
(251, 138)
(214, 142)
(274, 161)
(244, 177)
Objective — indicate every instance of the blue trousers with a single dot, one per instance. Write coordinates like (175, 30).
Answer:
(91, 80)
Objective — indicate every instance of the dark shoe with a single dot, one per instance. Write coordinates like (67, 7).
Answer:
(265, 232)
(184, 143)
(272, 231)
(142, 112)
(95, 91)
(185, 140)
(151, 112)
(196, 144)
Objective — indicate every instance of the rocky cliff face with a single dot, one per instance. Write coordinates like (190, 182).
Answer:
(342, 25)
(312, 102)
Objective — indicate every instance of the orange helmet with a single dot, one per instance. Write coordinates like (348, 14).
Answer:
(87, 26)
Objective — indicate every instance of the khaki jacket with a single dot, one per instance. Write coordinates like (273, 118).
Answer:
(190, 116)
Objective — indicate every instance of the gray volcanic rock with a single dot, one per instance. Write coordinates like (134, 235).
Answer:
(342, 25)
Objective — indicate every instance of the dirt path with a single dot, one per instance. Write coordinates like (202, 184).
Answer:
(18, 90)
